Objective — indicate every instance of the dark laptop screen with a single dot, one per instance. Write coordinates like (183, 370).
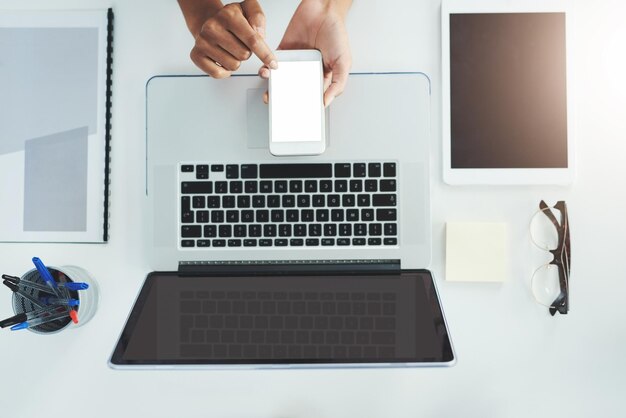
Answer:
(285, 319)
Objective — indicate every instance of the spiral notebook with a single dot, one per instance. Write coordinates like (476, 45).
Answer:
(55, 111)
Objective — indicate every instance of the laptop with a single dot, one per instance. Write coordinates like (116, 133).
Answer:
(264, 261)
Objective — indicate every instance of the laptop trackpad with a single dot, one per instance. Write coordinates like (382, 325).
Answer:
(257, 119)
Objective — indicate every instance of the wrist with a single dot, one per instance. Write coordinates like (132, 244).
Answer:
(338, 7)
(196, 12)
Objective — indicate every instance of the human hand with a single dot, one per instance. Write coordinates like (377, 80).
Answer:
(226, 35)
(320, 24)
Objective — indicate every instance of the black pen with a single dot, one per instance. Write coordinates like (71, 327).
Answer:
(20, 292)
(27, 316)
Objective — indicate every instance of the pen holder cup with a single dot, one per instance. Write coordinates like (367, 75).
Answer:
(88, 298)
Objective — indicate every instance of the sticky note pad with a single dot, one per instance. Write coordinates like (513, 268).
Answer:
(476, 252)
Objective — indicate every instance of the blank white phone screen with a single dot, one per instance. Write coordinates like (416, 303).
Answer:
(296, 102)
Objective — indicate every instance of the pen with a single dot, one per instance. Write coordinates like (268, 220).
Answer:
(42, 288)
(39, 321)
(26, 316)
(10, 278)
(60, 301)
(25, 295)
(46, 276)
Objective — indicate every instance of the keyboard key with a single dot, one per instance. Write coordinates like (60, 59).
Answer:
(348, 200)
(356, 186)
(266, 186)
(250, 186)
(228, 201)
(236, 187)
(386, 214)
(307, 215)
(221, 187)
(196, 187)
(213, 202)
(269, 230)
(321, 215)
(371, 185)
(328, 241)
(388, 199)
(284, 230)
(187, 217)
(289, 201)
(280, 186)
(389, 169)
(296, 242)
(199, 202)
(345, 230)
(337, 215)
(247, 216)
(249, 242)
(239, 231)
(390, 241)
(363, 200)
(341, 186)
(310, 186)
(202, 175)
(375, 229)
(249, 171)
(277, 215)
(210, 231)
(258, 201)
(219, 242)
(326, 186)
(319, 201)
(273, 201)
(312, 242)
(187, 243)
(255, 230)
(358, 241)
(234, 243)
(342, 170)
(352, 215)
(330, 230)
(217, 168)
(281, 242)
(217, 216)
(359, 169)
(262, 215)
(360, 229)
(387, 185)
(373, 241)
(293, 215)
(265, 242)
(373, 169)
(232, 171)
(333, 200)
(391, 229)
(243, 202)
(303, 201)
(295, 186)
(203, 243)
(367, 215)
(202, 216)
(232, 216)
(191, 231)
(299, 230)
(225, 231)
(315, 230)
(186, 168)
(295, 171)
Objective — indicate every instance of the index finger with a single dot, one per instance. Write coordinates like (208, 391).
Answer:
(253, 40)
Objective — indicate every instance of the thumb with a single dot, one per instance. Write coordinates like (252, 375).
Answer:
(340, 70)
(254, 14)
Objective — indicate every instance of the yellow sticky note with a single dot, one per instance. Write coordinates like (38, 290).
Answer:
(476, 252)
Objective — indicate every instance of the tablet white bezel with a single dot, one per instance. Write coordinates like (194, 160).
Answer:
(527, 176)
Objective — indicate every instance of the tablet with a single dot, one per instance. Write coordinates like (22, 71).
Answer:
(507, 96)
(268, 320)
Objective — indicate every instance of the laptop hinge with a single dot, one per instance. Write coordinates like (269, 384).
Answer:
(283, 267)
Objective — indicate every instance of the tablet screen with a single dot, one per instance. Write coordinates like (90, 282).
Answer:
(285, 319)
(508, 103)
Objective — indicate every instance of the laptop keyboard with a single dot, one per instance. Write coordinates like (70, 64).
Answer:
(266, 325)
(288, 205)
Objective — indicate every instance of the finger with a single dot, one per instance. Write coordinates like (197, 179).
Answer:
(218, 55)
(328, 78)
(266, 97)
(214, 33)
(240, 27)
(264, 72)
(253, 12)
(207, 65)
(340, 71)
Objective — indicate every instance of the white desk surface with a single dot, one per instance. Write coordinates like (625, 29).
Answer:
(514, 360)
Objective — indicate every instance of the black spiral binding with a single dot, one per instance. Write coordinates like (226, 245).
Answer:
(107, 145)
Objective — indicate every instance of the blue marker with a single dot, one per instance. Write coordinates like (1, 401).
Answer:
(46, 276)
(60, 301)
(74, 286)
(39, 321)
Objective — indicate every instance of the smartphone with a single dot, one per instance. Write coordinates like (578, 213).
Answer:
(296, 104)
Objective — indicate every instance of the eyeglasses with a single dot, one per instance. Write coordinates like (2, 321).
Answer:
(549, 230)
